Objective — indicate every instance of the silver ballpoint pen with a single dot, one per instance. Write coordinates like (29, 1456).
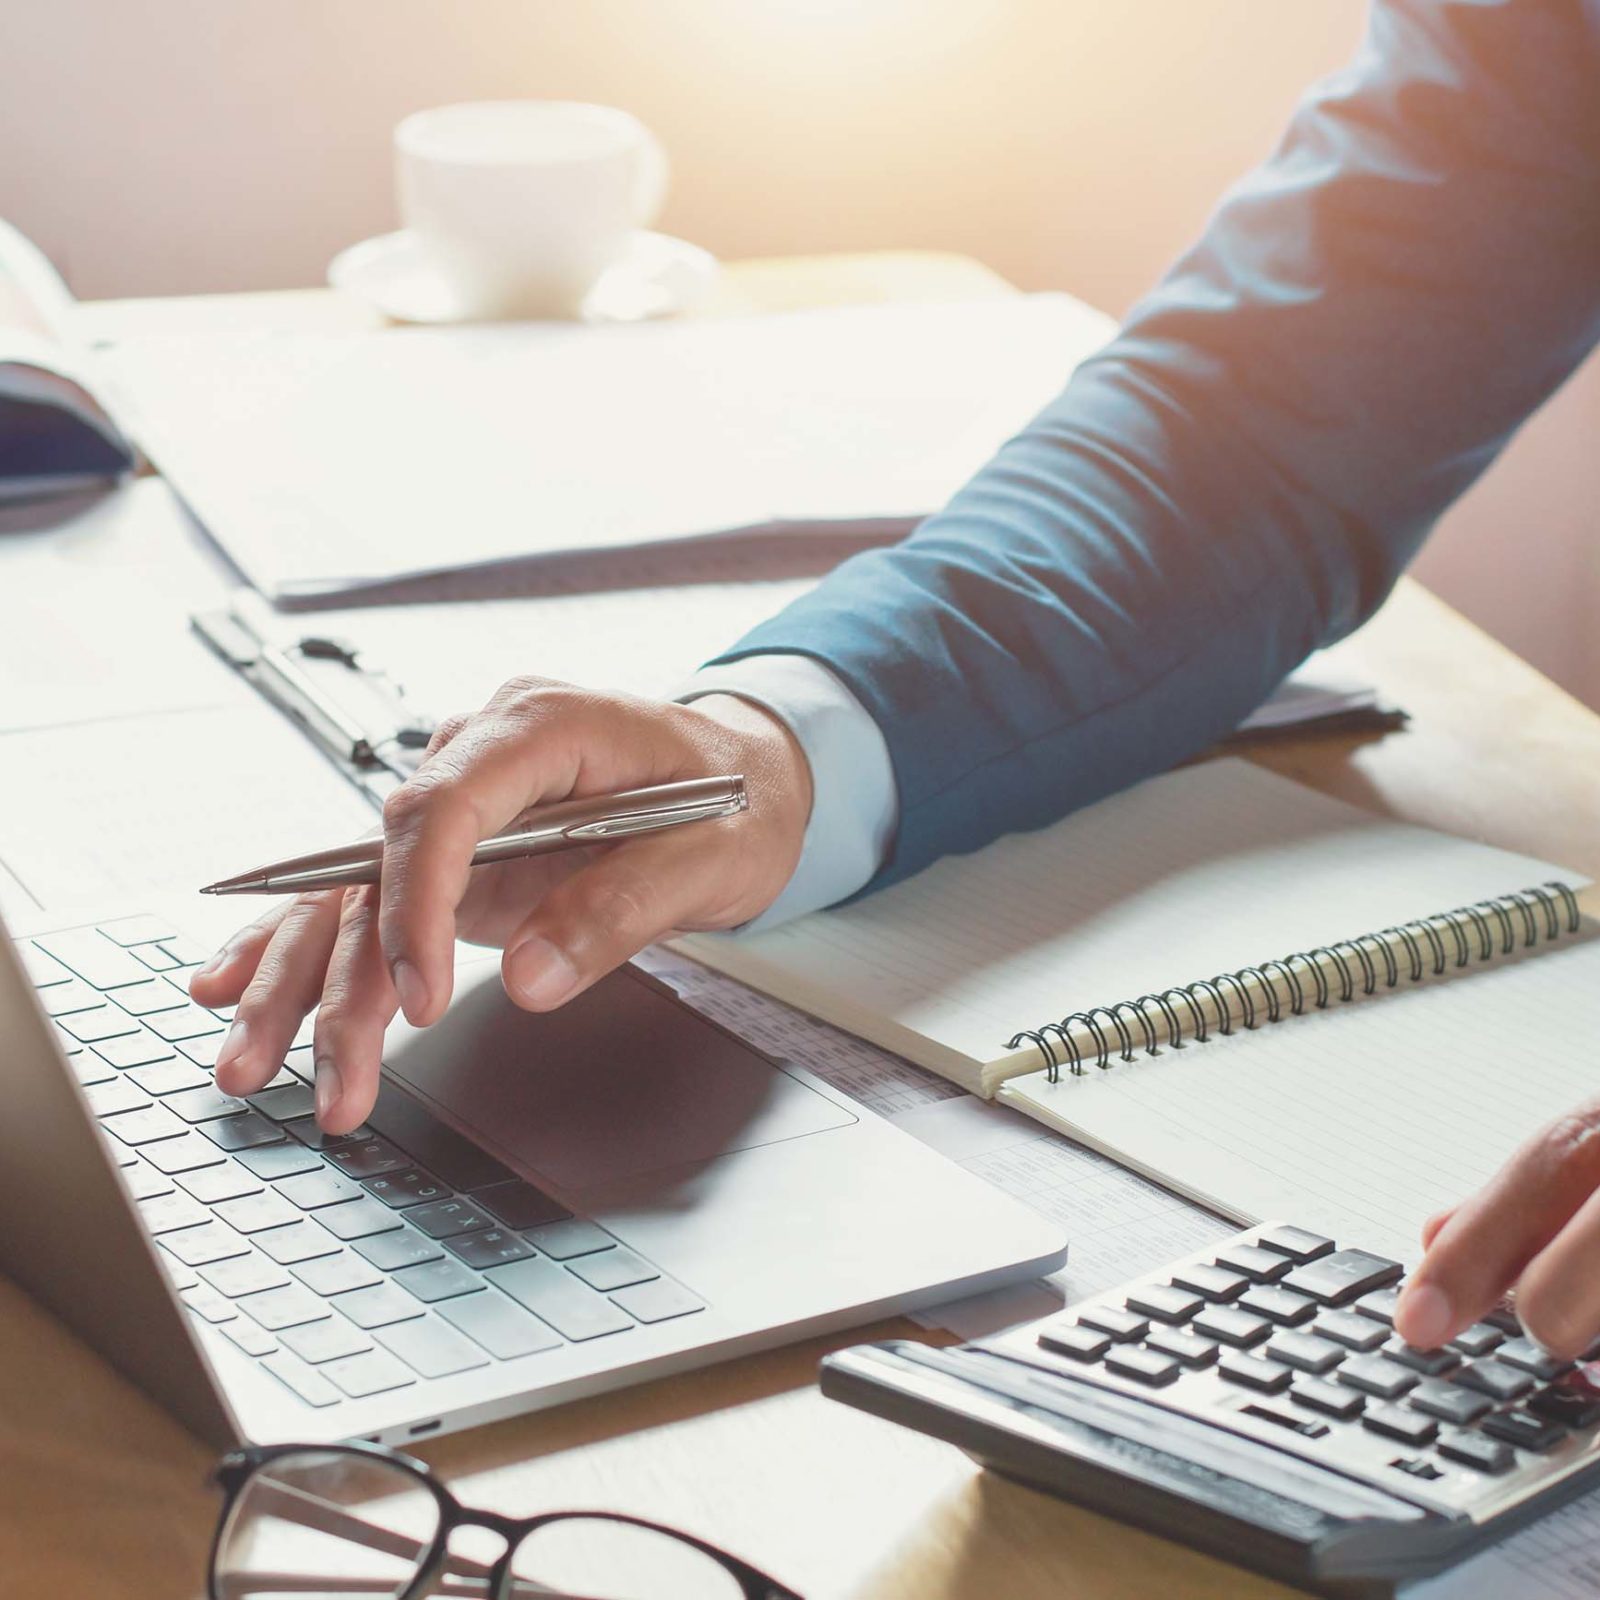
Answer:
(566, 825)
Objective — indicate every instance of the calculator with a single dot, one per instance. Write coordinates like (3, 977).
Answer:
(1254, 1401)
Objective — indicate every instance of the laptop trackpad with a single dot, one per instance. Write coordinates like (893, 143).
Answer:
(622, 1080)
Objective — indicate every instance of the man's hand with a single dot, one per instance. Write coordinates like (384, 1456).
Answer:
(563, 920)
(1535, 1225)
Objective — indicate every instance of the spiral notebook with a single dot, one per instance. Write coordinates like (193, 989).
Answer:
(1353, 980)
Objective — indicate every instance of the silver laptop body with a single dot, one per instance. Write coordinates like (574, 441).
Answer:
(540, 1208)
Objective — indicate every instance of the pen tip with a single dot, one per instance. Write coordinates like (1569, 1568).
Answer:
(209, 888)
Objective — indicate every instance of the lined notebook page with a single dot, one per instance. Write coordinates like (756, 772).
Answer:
(1359, 1121)
(1189, 874)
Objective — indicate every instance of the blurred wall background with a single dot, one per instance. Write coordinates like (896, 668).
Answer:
(168, 146)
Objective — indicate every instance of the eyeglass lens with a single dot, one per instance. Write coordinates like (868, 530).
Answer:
(602, 1559)
(325, 1525)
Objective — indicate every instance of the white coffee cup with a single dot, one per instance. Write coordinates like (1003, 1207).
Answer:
(522, 204)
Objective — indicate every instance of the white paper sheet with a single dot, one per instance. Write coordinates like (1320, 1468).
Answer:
(1557, 1558)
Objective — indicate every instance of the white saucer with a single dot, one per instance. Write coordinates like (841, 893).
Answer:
(655, 276)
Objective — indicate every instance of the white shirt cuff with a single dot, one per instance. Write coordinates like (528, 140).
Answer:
(854, 803)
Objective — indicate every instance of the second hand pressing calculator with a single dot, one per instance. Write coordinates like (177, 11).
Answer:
(1254, 1401)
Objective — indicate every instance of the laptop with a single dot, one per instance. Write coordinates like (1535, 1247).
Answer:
(539, 1208)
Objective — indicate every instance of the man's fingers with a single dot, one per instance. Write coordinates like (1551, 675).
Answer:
(1489, 1239)
(221, 980)
(358, 1001)
(598, 918)
(1558, 1297)
(1430, 1228)
(286, 985)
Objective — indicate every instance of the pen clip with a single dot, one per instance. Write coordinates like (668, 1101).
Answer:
(649, 821)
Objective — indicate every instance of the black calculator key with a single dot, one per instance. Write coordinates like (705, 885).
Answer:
(1377, 1375)
(1430, 1363)
(1123, 1326)
(1344, 1276)
(1573, 1402)
(1282, 1306)
(1473, 1450)
(1073, 1339)
(1379, 1305)
(1524, 1353)
(1214, 1282)
(1395, 1422)
(1232, 1326)
(1258, 1265)
(1523, 1429)
(1189, 1348)
(1164, 1303)
(1254, 1373)
(1296, 1243)
(1144, 1366)
(1328, 1398)
(1305, 1352)
(1505, 1319)
(1352, 1331)
(1494, 1379)
(1449, 1402)
(1478, 1340)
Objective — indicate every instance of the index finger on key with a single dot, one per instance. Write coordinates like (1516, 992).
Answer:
(1483, 1246)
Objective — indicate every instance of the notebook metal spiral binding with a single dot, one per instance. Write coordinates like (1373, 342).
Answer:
(1270, 989)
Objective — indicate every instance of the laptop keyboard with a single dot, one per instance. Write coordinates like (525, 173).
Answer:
(346, 1266)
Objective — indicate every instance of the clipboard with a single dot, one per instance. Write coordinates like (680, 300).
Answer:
(350, 708)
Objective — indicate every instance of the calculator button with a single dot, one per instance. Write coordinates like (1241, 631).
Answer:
(1072, 1339)
(1505, 1319)
(1144, 1366)
(1395, 1422)
(1254, 1373)
(1430, 1363)
(1416, 1467)
(1478, 1340)
(1378, 1376)
(1494, 1379)
(1214, 1282)
(1524, 1353)
(1573, 1402)
(1473, 1450)
(1164, 1303)
(1379, 1305)
(1296, 1243)
(1305, 1352)
(1123, 1326)
(1328, 1398)
(1449, 1402)
(1524, 1429)
(1344, 1276)
(1231, 1326)
(1189, 1349)
(1353, 1332)
(1282, 1419)
(1282, 1306)
(1258, 1265)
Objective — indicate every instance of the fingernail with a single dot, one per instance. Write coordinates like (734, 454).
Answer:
(542, 974)
(234, 1045)
(329, 1087)
(1428, 1315)
(412, 990)
(213, 964)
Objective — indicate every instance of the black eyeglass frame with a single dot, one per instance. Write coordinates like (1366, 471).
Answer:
(234, 1472)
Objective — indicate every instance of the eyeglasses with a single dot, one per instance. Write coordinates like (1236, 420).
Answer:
(322, 1522)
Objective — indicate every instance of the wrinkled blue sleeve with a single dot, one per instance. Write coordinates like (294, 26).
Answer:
(1239, 477)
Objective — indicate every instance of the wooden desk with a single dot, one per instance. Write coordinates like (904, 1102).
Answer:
(102, 1495)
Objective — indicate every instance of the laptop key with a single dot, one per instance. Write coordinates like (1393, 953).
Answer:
(149, 1126)
(90, 1069)
(316, 1138)
(207, 1303)
(617, 1269)
(564, 1241)
(310, 1191)
(492, 1247)
(250, 1337)
(373, 1373)
(551, 1292)
(506, 1331)
(94, 958)
(331, 1339)
(405, 1247)
(255, 1213)
(184, 1154)
(304, 1381)
(283, 1308)
(144, 1182)
(154, 958)
(65, 998)
(170, 1077)
(431, 1347)
(241, 1132)
(658, 1301)
(299, 1241)
(441, 1218)
(199, 1246)
(154, 994)
(520, 1205)
(43, 970)
(204, 1104)
(285, 1103)
(410, 1187)
(357, 1219)
(133, 1050)
(226, 1181)
(142, 929)
(437, 1280)
(278, 1161)
(336, 1274)
(112, 1098)
(247, 1274)
(188, 1021)
(364, 1159)
(169, 1212)
(378, 1306)
(203, 1052)
(91, 1027)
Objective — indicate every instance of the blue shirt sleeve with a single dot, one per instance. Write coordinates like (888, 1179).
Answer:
(1241, 474)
